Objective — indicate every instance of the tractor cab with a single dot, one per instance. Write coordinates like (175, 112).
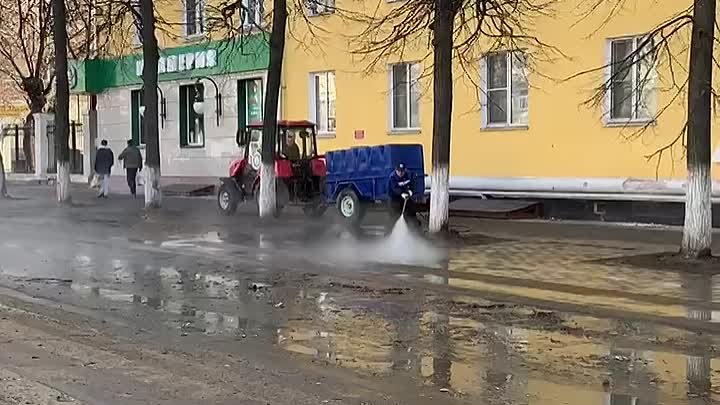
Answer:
(295, 141)
(299, 168)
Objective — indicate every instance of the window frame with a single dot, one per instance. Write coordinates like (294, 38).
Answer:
(258, 17)
(484, 90)
(636, 95)
(137, 29)
(199, 24)
(313, 102)
(312, 7)
(410, 66)
(137, 100)
(187, 117)
(242, 96)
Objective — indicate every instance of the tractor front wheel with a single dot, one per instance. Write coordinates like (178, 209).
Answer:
(228, 199)
(350, 206)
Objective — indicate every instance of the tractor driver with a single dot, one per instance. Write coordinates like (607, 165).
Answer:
(292, 151)
(400, 186)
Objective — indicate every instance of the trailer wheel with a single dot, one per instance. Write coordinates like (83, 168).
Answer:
(350, 206)
(228, 199)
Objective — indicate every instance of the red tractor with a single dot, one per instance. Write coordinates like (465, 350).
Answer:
(300, 170)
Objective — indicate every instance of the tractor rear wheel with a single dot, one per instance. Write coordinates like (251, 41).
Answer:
(316, 208)
(350, 206)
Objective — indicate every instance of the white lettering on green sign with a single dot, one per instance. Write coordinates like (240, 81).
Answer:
(182, 62)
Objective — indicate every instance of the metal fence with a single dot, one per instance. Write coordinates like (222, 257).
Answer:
(75, 143)
(18, 143)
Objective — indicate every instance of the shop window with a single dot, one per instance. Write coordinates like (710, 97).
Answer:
(319, 7)
(137, 113)
(194, 17)
(505, 90)
(192, 123)
(254, 11)
(405, 96)
(250, 102)
(632, 72)
(322, 102)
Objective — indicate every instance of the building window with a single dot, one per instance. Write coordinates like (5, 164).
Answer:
(137, 25)
(505, 90)
(137, 113)
(192, 124)
(632, 82)
(318, 7)
(250, 102)
(253, 13)
(322, 101)
(194, 17)
(405, 96)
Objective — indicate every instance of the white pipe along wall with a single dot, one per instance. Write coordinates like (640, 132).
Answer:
(572, 188)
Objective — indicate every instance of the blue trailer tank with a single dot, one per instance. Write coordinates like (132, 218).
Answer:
(365, 171)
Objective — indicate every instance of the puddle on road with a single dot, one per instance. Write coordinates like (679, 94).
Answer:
(460, 346)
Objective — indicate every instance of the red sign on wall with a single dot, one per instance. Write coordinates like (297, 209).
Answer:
(359, 134)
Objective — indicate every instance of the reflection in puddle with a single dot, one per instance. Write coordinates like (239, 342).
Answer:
(489, 353)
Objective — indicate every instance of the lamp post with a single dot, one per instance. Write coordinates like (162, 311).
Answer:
(218, 100)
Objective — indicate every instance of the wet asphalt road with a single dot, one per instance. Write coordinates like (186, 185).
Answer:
(104, 304)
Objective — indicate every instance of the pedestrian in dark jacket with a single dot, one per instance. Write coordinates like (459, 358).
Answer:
(132, 159)
(400, 188)
(104, 161)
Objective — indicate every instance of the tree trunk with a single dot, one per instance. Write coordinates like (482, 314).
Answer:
(442, 115)
(268, 197)
(697, 232)
(62, 100)
(151, 55)
(3, 185)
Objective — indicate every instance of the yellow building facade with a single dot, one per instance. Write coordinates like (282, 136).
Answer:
(522, 125)
(547, 138)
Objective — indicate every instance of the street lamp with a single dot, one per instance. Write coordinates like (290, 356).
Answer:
(198, 105)
(163, 108)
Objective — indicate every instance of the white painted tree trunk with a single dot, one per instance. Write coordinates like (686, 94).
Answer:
(697, 231)
(268, 198)
(3, 185)
(62, 185)
(153, 193)
(439, 199)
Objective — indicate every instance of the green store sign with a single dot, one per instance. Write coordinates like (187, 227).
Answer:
(182, 63)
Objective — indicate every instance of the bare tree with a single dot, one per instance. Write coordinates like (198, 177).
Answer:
(26, 55)
(697, 231)
(151, 56)
(462, 32)
(62, 101)
(268, 189)
(662, 52)
(229, 19)
(445, 11)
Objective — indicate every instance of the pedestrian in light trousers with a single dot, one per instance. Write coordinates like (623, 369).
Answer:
(104, 161)
(132, 159)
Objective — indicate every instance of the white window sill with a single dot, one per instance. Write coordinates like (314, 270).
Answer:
(324, 13)
(326, 135)
(499, 127)
(404, 131)
(629, 123)
(194, 37)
